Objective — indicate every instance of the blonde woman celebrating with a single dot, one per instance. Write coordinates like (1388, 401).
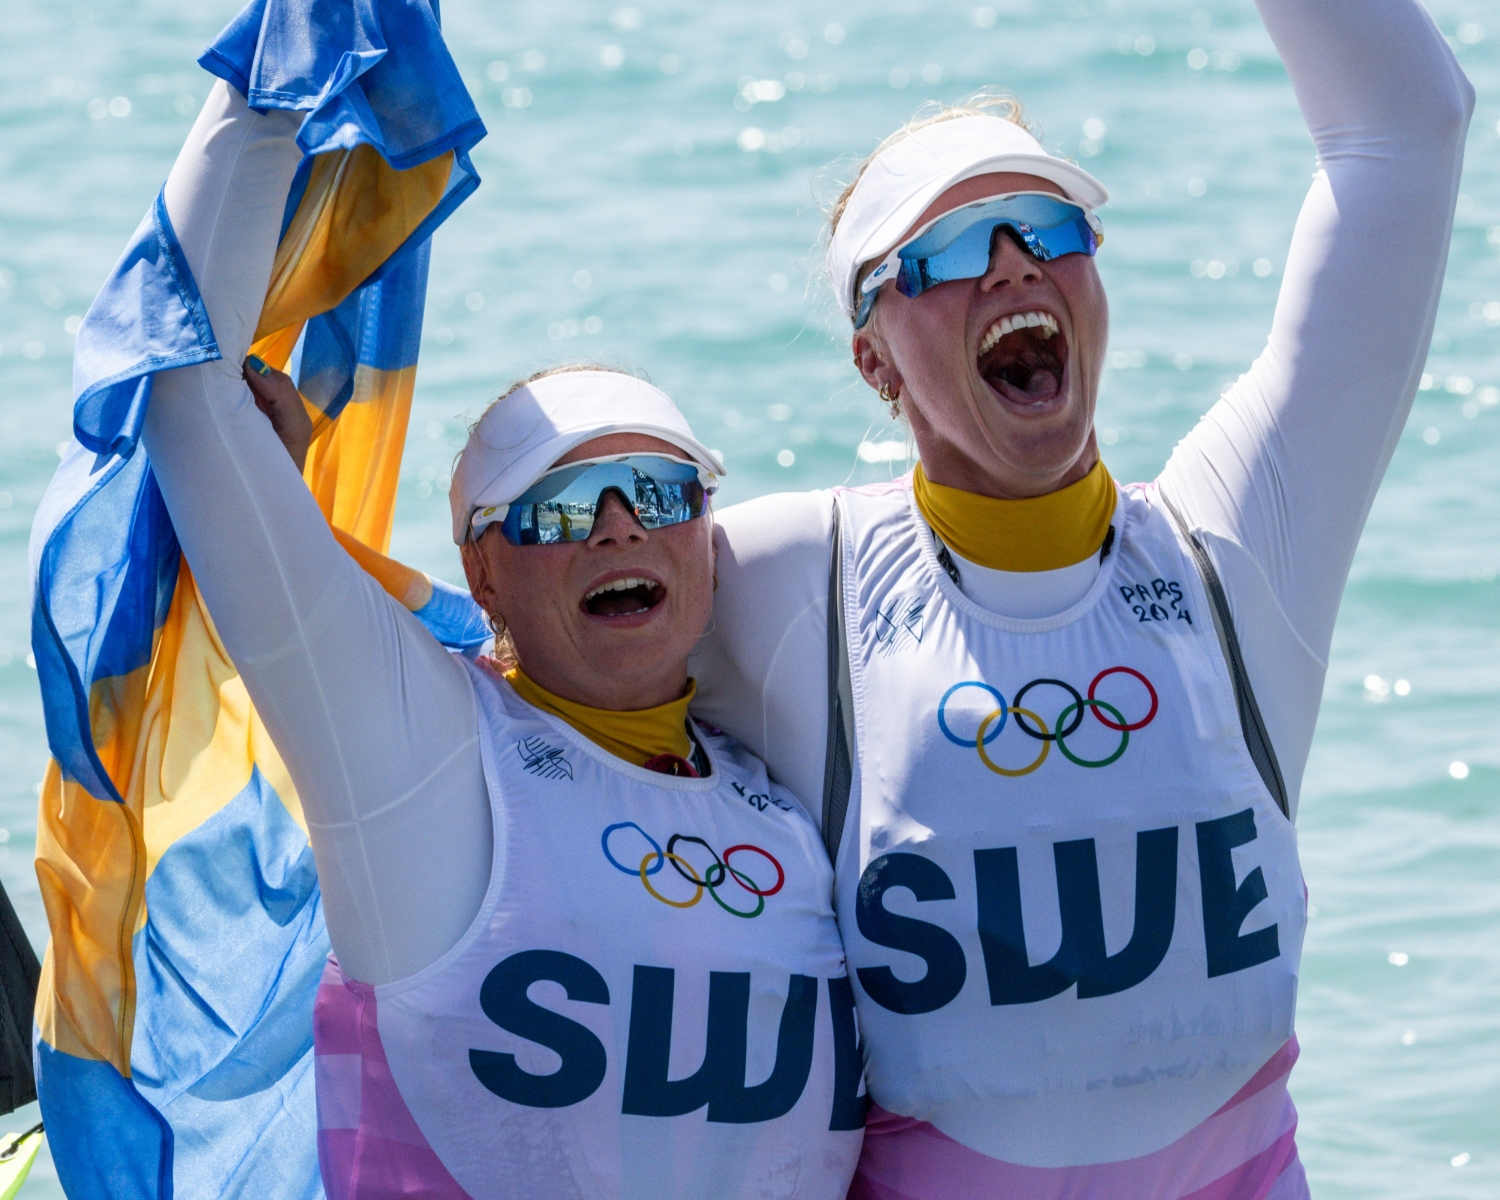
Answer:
(584, 946)
(1062, 724)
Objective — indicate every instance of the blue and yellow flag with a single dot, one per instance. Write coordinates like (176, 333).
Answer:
(174, 1020)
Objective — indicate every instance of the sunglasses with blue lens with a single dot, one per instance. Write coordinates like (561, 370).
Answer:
(561, 506)
(960, 244)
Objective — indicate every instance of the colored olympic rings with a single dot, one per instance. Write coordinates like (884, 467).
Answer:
(1144, 721)
(1036, 762)
(619, 866)
(1083, 762)
(679, 863)
(1041, 733)
(973, 742)
(711, 880)
(1033, 725)
(780, 874)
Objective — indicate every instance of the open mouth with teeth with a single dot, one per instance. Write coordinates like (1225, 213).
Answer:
(1023, 357)
(626, 597)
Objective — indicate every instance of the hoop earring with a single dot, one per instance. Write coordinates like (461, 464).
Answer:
(893, 401)
(497, 628)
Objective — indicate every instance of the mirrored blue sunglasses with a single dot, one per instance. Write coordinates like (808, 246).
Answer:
(561, 506)
(959, 244)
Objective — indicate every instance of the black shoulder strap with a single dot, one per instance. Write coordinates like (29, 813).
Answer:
(1256, 738)
(838, 772)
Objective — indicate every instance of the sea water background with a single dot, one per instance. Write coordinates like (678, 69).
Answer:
(653, 177)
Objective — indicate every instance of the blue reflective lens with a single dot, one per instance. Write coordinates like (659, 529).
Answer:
(960, 244)
(562, 504)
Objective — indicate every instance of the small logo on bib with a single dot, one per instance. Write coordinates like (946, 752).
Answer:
(900, 625)
(1159, 600)
(952, 714)
(716, 875)
(542, 759)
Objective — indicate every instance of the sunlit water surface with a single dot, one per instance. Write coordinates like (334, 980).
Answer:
(653, 182)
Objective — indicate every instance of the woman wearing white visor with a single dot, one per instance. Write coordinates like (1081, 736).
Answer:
(584, 946)
(1070, 719)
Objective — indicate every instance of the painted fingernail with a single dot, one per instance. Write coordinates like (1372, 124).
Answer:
(258, 365)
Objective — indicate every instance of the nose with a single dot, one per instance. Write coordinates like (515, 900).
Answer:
(614, 523)
(1009, 264)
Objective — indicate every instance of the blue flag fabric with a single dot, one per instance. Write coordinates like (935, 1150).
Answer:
(174, 1019)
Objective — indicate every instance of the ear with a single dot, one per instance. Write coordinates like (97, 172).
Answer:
(477, 572)
(873, 360)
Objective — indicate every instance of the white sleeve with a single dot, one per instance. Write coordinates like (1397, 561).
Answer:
(1280, 474)
(762, 669)
(376, 722)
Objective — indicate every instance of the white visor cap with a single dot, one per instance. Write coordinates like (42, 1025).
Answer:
(906, 177)
(522, 436)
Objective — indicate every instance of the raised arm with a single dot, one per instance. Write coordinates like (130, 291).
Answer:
(1281, 472)
(375, 721)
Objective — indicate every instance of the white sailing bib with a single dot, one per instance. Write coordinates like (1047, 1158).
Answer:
(651, 1003)
(1072, 908)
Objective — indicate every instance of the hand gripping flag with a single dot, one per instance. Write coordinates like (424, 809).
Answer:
(174, 1018)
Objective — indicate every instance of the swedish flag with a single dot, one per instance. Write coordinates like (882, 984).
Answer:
(174, 1019)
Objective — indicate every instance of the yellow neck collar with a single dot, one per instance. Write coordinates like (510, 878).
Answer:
(1042, 533)
(637, 736)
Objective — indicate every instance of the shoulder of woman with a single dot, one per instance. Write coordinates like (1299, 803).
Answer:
(785, 523)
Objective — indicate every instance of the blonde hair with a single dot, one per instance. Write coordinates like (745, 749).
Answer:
(987, 102)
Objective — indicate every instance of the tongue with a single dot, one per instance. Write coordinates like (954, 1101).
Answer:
(1025, 384)
(1042, 385)
(1024, 368)
(620, 604)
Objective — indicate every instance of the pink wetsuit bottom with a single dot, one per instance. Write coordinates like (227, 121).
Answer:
(1245, 1151)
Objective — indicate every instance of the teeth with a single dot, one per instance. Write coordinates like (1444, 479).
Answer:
(1044, 321)
(622, 585)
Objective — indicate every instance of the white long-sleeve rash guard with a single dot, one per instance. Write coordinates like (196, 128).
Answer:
(377, 724)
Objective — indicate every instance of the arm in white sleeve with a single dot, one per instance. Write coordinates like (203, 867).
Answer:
(376, 722)
(1280, 474)
(762, 669)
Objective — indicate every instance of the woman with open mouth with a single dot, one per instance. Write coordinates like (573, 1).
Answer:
(584, 946)
(1059, 725)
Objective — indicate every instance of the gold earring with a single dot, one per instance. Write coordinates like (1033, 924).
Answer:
(892, 400)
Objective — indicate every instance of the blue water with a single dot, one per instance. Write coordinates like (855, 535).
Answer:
(634, 211)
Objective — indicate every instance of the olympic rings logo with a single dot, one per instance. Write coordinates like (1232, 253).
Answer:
(716, 875)
(1033, 726)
